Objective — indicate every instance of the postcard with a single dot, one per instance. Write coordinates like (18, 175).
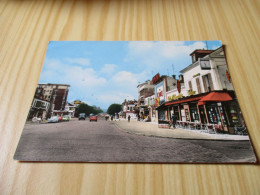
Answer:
(135, 102)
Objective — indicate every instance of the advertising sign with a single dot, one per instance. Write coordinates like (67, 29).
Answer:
(159, 91)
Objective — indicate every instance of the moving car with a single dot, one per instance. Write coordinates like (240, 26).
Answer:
(82, 116)
(93, 118)
(66, 118)
(53, 119)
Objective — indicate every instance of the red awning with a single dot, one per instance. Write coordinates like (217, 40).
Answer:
(215, 97)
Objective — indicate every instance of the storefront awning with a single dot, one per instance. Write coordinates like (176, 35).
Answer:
(215, 97)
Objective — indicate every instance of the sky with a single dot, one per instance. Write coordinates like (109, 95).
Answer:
(101, 73)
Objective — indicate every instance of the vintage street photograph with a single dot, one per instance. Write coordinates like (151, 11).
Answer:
(136, 102)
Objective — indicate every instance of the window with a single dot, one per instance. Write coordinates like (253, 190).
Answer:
(198, 85)
(190, 86)
(207, 82)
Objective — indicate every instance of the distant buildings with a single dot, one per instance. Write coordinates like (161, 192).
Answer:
(129, 109)
(145, 90)
(50, 99)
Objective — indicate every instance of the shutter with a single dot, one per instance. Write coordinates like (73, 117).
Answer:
(204, 84)
(198, 85)
(190, 86)
(210, 82)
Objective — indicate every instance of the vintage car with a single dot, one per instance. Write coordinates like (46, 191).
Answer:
(66, 118)
(53, 119)
(93, 118)
(82, 116)
(60, 118)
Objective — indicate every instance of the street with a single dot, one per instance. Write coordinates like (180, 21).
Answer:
(103, 141)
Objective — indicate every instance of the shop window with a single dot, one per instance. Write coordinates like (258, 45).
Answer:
(194, 114)
(233, 114)
(161, 115)
(187, 115)
(213, 114)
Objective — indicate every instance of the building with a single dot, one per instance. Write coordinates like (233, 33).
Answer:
(129, 109)
(56, 94)
(70, 109)
(162, 85)
(39, 108)
(145, 90)
(207, 95)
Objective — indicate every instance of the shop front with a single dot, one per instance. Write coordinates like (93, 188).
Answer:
(218, 111)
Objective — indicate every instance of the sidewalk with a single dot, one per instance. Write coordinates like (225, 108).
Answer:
(152, 129)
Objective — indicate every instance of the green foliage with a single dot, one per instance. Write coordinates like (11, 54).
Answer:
(85, 108)
(114, 108)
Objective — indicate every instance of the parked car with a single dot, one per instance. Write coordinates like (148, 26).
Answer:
(66, 118)
(60, 118)
(93, 118)
(36, 119)
(53, 119)
(82, 116)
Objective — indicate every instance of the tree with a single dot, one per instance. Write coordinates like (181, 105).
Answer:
(85, 108)
(114, 108)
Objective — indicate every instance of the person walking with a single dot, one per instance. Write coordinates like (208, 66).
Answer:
(174, 120)
(129, 118)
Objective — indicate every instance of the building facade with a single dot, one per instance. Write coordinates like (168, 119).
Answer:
(56, 94)
(145, 90)
(206, 96)
(129, 109)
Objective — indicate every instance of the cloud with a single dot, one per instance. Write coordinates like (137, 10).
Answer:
(108, 69)
(78, 61)
(159, 56)
(116, 97)
(57, 72)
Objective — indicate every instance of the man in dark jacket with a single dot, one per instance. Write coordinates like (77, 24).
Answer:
(174, 120)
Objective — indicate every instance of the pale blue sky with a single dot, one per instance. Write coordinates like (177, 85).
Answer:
(105, 72)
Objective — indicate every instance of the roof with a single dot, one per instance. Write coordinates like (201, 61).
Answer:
(53, 84)
(201, 51)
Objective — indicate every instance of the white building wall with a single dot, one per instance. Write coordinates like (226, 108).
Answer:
(218, 75)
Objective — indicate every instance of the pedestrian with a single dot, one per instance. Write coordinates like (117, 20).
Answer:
(129, 118)
(111, 117)
(174, 120)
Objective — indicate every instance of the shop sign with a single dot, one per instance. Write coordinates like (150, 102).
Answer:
(195, 75)
(77, 102)
(178, 86)
(174, 97)
(191, 93)
(157, 102)
(156, 78)
(159, 89)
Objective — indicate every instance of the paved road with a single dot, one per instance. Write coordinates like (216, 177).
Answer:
(102, 141)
